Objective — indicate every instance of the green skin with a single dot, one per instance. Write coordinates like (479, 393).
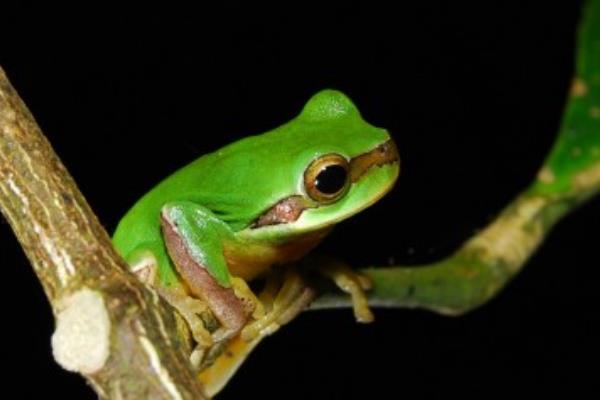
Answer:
(214, 200)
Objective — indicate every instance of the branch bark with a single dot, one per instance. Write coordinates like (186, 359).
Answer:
(110, 328)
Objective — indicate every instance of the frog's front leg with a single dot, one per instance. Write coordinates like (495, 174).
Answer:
(193, 237)
(349, 281)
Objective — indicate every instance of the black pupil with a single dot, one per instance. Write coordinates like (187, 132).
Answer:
(331, 179)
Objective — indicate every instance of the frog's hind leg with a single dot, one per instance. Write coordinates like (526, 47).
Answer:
(283, 297)
(192, 237)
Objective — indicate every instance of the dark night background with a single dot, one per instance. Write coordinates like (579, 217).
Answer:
(473, 97)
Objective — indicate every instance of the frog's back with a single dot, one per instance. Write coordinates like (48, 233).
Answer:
(208, 181)
(238, 182)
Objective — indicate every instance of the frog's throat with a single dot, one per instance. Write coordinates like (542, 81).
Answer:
(290, 208)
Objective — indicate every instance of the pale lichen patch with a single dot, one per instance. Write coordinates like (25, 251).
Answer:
(60, 258)
(513, 236)
(578, 88)
(15, 189)
(587, 179)
(80, 342)
(546, 175)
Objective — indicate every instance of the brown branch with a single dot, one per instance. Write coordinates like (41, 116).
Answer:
(109, 327)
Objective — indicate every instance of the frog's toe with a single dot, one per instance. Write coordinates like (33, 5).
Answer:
(252, 305)
(194, 311)
(352, 283)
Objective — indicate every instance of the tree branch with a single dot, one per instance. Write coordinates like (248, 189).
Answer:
(475, 273)
(109, 327)
(489, 260)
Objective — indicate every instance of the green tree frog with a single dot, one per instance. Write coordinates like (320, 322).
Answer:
(237, 214)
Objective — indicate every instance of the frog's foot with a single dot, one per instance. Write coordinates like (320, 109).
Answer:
(282, 302)
(198, 317)
(352, 283)
(251, 305)
(283, 297)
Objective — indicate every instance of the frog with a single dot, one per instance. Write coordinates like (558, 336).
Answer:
(249, 212)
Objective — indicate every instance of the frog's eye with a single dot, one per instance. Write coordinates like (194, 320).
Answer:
(326, 178)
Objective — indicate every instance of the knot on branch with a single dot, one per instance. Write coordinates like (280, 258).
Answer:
(80, 342)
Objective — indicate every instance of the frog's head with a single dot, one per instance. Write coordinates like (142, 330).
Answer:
(334, 165)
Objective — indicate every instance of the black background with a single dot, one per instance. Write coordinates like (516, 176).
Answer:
(473, 96)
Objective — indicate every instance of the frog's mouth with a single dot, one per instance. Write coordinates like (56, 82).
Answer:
(290, 208)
